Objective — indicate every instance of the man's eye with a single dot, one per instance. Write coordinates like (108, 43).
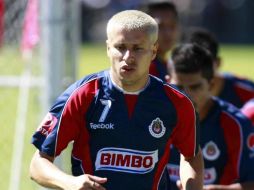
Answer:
(196, 87)
(137, 48)
(120, 48)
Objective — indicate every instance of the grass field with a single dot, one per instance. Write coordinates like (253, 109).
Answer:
(236, 59)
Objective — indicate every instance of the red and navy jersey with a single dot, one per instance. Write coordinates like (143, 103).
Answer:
(227, 143)
(248, 110)
(130, 148)
(236, 90)
(158, 68)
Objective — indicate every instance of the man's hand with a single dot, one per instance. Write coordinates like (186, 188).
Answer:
(192, 172)
(179, 185)
(86, 182)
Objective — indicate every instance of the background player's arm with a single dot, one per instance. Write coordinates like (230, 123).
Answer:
(191, 172)
(44, 172)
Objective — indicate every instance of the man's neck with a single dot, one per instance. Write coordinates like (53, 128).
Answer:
(205, 109)
(130, 88)
(217, 86)
(162, 57)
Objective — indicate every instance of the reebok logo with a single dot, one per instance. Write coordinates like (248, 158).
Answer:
(108, 126)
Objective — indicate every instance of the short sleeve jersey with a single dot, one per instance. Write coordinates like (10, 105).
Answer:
(236, 90)
(227, 143)
(130, 151)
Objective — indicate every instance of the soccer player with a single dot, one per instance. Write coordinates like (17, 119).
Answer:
(224, 131)
(121, 121)
(226, 86)
(165, 13)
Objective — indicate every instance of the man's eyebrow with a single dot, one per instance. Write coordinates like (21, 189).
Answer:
(196, 85)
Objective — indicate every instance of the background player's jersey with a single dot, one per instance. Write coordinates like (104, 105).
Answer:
(227, 143)
(248, 110)
(236, 90)
(158, 68)
(131, 150)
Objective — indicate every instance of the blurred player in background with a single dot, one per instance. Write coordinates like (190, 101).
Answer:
(224, 131)
(165, 13)
(226, 86)
(122, 121)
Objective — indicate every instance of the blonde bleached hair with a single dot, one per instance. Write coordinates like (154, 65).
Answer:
(134, 20)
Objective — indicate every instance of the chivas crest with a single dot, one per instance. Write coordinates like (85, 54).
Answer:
(211, 151)
(156, 128)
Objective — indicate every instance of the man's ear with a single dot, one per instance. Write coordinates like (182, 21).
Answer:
(211, 84)
(155, 49)
(217, 63)
(107, 44)
(168, 78)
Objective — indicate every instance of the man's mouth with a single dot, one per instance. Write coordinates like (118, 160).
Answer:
(127, 68)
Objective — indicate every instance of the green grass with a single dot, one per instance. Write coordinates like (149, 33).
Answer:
(93, 58)
(33, 119)
(238, 60)
(10, 61)
(8, 106)
(7, 116)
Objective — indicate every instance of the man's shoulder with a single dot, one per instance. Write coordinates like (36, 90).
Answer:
(90, 77)
(230, 112)
(178, 97)
(174, 91)
(89, 83)
(238, 80)
(225, 106)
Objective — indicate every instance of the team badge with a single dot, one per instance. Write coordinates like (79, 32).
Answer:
(47, 124)
(211, 151)
(250, 141)
(156, 128)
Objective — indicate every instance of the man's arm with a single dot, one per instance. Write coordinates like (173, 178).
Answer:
(45, 173)
(192, 172)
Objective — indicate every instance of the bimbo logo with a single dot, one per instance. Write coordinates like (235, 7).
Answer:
(173, 171)
(209, 174)
(126, 160)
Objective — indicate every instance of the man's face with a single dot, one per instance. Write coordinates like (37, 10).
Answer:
(130, 53)
(195, 85)
(168, 29)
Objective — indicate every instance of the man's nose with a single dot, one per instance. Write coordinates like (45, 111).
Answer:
(127, 55)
